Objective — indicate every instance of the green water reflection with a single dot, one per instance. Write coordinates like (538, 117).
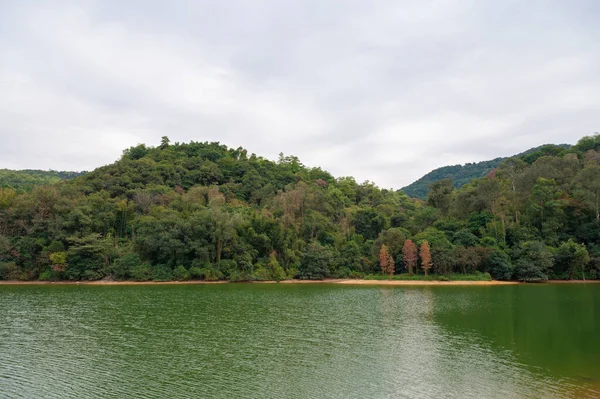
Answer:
(300, 341)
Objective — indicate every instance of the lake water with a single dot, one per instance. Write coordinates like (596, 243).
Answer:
(300, 341)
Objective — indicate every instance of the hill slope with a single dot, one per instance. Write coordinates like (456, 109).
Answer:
(206, 211)
(463, 174)
(28, 178)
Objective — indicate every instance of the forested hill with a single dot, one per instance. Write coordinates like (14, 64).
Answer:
(29, 178)
(204, 211)
(463, 174)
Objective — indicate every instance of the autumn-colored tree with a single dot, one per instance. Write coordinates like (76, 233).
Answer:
(387, 261)
(409, 254)
(425, 257)
(391, 265)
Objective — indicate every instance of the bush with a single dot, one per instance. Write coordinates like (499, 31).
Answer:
(141, 272)
(180, 273)
(261, 273)
(123, 267)
(225, 267)
(239, 277)
(162, 273)
(9, 271)
(356, 275)
(91, 275)
(206, 273)
(46, 275)
(196, 273)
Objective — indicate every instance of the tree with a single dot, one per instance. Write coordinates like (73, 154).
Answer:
(498, 265)
(425, 257)
(409, 254)
(440, 195)
(468, 258)
(369, 222)
(225, 226)
(59, 261)
(533, 260)
(570, 260)
(315, 262)
(164, 142)
(589, 181)
(386, 261)
(275, 271)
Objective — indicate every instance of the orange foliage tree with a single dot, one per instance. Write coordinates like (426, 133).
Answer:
(425, 257)
(387, 261)
(409, 253)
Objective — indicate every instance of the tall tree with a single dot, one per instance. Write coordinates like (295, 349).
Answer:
(409, 253)
(425, 257)
(589, 181)
(440, 195)
(386, 260)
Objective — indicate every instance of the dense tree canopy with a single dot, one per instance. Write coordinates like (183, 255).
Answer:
(460, 175)
(205, 211)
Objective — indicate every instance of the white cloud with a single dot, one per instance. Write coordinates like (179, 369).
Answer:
(384, 91)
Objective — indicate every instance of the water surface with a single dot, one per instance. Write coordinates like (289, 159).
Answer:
(300, 341)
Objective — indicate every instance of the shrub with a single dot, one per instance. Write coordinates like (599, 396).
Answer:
(196, 272)
(9, 271)
(46, 275)
(91, 275)
(162, 273)
(123, 267)
(141, 272)
(356, 275)
(180, 273)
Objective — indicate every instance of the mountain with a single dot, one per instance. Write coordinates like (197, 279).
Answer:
(29, 178)
(463, 174)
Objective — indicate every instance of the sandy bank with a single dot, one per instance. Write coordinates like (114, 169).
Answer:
(103, 282)
(328, 281)
(418, 282)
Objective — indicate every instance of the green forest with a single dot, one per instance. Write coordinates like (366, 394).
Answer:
(204, 211)
(28, 179)
(463, 174)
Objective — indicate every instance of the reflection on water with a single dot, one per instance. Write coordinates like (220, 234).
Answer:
(306, 341)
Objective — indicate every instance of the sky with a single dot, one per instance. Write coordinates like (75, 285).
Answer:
(382, 90)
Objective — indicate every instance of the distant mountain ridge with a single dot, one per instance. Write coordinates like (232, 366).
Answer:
(463, 174)
(28, 178)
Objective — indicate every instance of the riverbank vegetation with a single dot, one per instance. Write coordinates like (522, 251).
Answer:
(204, 211)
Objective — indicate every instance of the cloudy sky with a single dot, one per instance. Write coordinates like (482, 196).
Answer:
(383, 90)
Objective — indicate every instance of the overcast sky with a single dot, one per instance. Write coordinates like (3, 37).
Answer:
(383, 90)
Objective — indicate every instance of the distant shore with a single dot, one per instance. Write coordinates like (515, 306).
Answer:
(327, 281)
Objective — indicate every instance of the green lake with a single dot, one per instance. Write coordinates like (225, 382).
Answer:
(300, 341)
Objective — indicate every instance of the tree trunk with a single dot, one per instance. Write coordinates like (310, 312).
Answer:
(219, 249)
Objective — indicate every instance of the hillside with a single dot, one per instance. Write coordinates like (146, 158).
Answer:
(205, 211)
(463, 174)
(29, 178)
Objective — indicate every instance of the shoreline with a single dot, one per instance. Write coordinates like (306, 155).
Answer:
(327, 281)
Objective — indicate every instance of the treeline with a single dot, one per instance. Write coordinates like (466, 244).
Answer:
(464, 174)
(205, 211)
(26, 180)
